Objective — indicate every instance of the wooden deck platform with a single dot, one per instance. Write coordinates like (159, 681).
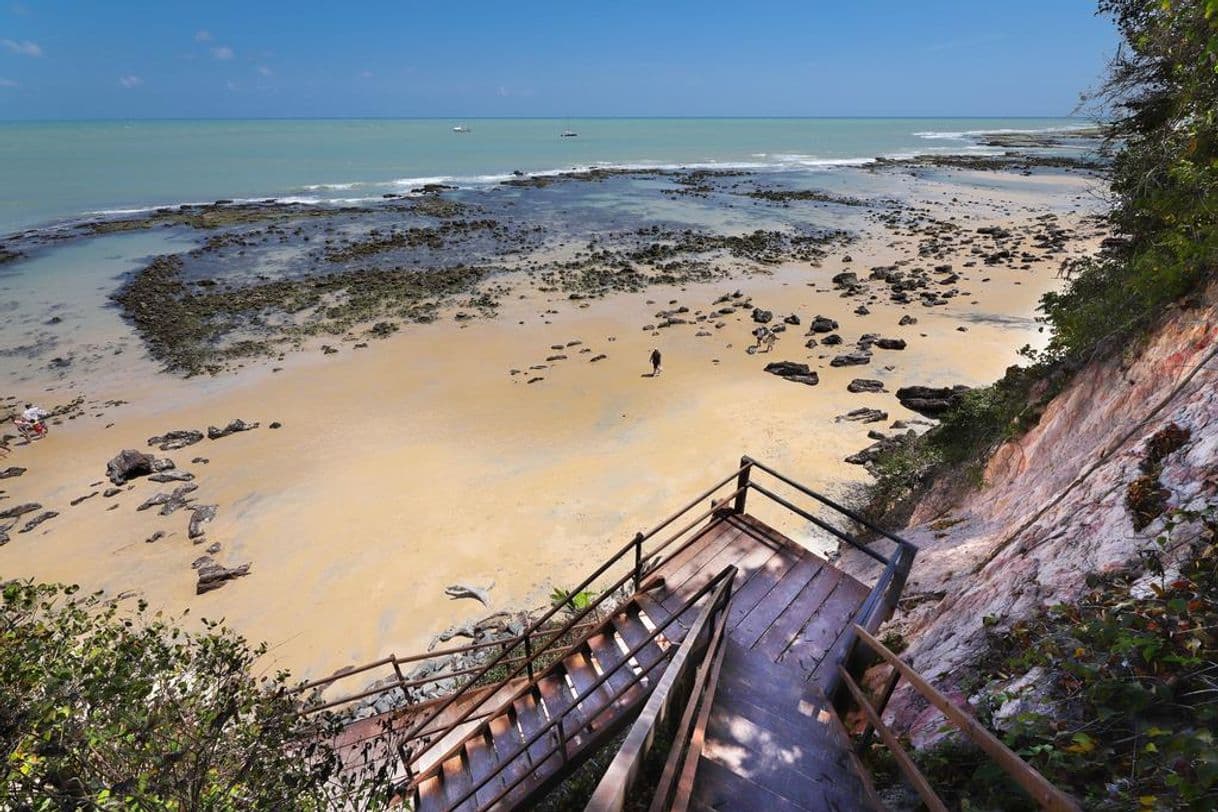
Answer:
(778, 749)
(788, 605)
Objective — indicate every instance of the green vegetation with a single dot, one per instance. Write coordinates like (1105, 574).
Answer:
(1121, 702)
(575, 602)
(1163, 89)
(108, 707)
(1161, 98)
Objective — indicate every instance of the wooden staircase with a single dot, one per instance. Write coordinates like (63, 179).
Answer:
(555, 719)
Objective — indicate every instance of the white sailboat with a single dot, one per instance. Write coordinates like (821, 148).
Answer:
(461, 128)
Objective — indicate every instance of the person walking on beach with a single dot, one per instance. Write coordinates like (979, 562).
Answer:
(655, 362)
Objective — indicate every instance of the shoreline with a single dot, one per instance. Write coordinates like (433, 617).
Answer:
(421, 462)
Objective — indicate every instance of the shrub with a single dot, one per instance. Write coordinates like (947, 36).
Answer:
(106, 706)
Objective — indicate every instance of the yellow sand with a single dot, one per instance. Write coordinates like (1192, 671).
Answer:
(421, 462)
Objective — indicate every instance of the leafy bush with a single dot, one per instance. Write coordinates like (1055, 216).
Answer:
(576, 602)
(1161, 93)
(106, 707)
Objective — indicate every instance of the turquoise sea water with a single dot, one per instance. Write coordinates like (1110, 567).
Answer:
(62, 170)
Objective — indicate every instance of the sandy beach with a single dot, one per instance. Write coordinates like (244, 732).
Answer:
(422, 461)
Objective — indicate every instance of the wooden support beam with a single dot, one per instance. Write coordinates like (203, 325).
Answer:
(933, 802)
(1035, 784)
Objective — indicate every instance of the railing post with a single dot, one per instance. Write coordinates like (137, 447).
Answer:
(742, 484)
(528, 653)
(562, 740)
(402, 754)
(865, 740)
(638, 560)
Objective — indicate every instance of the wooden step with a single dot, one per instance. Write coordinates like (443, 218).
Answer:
(631, 629)
(611, 659)
(456, 781)
(583, 675)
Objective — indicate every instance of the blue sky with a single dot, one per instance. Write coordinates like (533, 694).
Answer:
(131, 58)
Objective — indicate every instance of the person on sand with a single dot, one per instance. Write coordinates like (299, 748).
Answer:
(655, 362)
(764, 335)
(31, 420)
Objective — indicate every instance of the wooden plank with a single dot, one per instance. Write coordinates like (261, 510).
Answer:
(583, 676)
(429, 796)
(818, 703)
(676, 573)
(632, 631)
(704, 537)
(513, 760)
(456, 783)
(531, 718)
(482, 760)
(745, 553)
(796, 615)
(753, 588)
(749, 630)
(716, 787)
(1043, 792)
(608, 656)
(832, 618)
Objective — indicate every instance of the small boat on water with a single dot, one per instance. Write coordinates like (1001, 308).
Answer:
(461, 128)
(568, 134)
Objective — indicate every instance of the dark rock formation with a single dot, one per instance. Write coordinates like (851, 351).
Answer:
(794, 372)
(822, 324)
(851, 359)
(129, 464)
(865, 385)
(891, 343)
(763, 316)
(233, 427)
(11, 471)
(213, 575)
(37, 520)
(862, 416)
(930, 401)
(18, 511)
(201, 515)
(179, 438)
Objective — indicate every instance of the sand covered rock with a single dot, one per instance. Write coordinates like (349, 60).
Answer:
(233, 427)
(794, 372)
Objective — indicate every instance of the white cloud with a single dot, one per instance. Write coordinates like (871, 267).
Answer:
(223, 53)
(130, 80)
(9, 83)
(23, 47)
(265, 71)
(202, 35)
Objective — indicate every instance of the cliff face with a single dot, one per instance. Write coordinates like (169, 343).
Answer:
(1052, 508)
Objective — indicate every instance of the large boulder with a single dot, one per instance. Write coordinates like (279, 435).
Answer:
(931, 401)
(129, 464)
(762, 316)
(822, 324)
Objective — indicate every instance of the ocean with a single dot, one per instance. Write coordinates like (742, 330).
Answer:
(56, 171)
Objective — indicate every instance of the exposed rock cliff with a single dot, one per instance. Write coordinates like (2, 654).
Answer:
(1052, 508)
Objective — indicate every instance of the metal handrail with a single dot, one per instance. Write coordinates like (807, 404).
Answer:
(400, 680)
(635, 544)
(618, 779)
(721, 582)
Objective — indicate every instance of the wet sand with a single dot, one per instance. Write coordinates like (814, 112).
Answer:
(421, 461)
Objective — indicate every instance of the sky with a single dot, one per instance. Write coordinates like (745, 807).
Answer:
(261, 58)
